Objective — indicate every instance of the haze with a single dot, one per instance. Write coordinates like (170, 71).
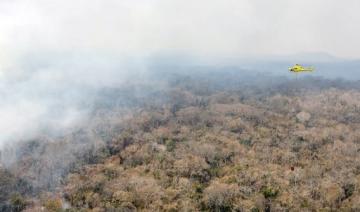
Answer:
(53, 51)
(201, 28)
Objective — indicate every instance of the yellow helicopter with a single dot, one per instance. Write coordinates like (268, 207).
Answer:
(297, 68)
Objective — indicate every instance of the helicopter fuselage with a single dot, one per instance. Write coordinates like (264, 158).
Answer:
(298, 68)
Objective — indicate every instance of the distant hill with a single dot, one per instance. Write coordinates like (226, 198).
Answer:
(325, 65)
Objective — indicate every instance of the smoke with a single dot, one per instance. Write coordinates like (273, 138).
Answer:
(45, 98)
(56, 55)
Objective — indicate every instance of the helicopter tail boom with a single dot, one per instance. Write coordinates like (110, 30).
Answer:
(311, 69)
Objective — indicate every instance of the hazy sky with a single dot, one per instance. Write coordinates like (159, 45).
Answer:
(205, 28)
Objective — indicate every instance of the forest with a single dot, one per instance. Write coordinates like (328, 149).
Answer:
(204, 140)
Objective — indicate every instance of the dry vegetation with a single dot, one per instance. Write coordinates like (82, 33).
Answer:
(220, 143)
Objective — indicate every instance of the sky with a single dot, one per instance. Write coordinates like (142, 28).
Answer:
(203, 28)
(51, 49)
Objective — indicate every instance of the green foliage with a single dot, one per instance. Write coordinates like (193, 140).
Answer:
(93, 156)
(305, 203)
(79, 196)
(134, 160)
(269, 192)
(18, 202)
(231, 180)
(246, 142)
(170, 145)
(348, 190)
(7, 184)
(198, 190)
(110, 173)
(214, 171)
(157, 174)
(255, 209)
